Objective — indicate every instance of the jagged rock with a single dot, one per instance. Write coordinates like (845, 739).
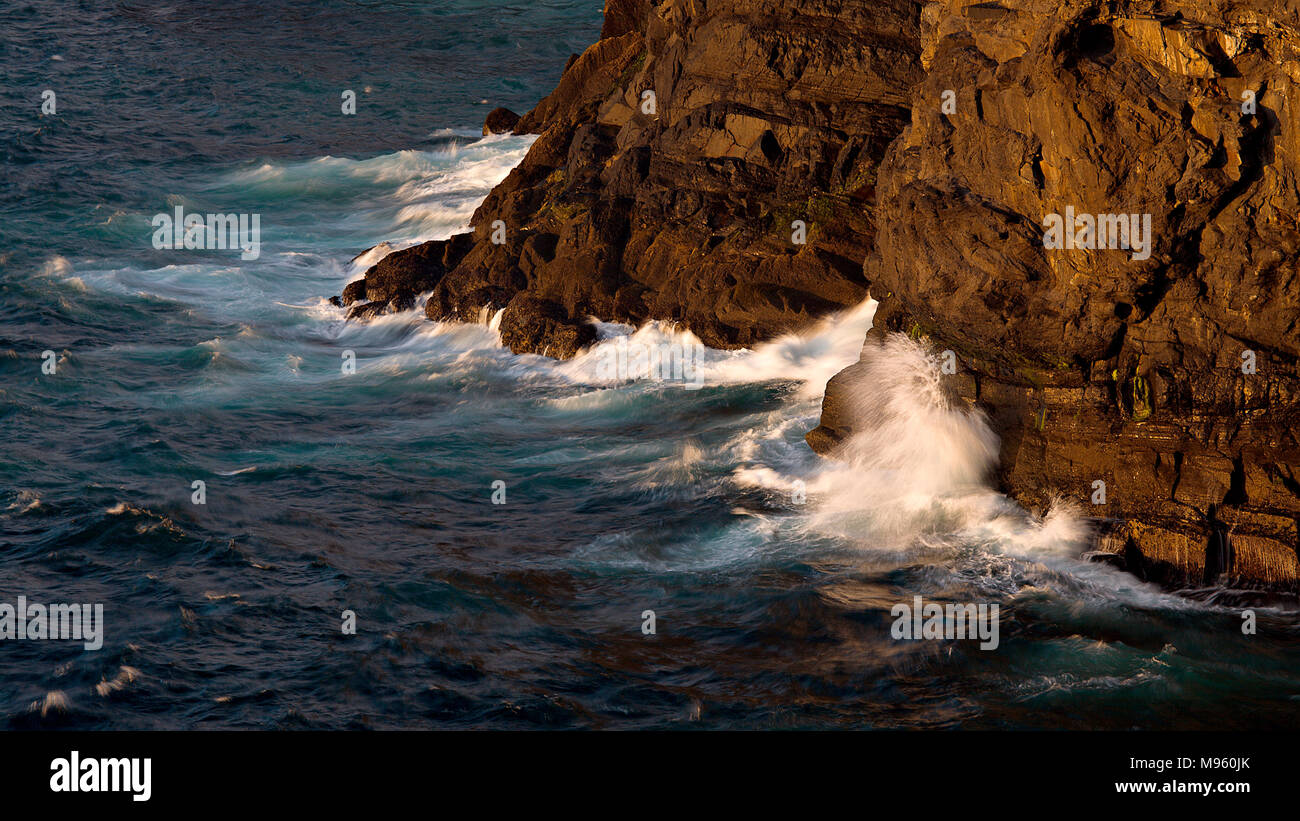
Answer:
(1095, 365)
(684, 210)
(368, 310)
(500, 121)
(396, 280)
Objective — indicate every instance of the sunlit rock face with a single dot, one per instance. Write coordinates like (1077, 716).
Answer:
(1171, 375)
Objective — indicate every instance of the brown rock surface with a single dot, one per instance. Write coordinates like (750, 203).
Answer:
(396, 280)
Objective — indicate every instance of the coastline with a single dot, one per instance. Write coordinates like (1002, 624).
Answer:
(743, 179)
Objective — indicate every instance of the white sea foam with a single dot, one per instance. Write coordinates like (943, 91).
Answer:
(316, 214)
(372, 255)
(809, 357)
(25, 501)
(56, 266)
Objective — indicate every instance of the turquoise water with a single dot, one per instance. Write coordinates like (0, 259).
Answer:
(771, 573)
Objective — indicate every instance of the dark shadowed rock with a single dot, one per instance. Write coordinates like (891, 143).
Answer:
(397, 279)
(531, 324)
(354, 292)
(406, 273)
(500, 121)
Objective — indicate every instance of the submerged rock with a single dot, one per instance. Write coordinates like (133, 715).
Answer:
(500, 121)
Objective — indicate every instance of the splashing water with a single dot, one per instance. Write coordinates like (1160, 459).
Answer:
(920, 463)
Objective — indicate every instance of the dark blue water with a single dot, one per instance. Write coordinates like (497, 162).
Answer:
(372, 492)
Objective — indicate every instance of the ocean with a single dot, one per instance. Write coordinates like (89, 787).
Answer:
(520, 542)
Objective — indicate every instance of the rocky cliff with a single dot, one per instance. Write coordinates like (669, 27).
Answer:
(742, 166)
(1168, 373)
(709, 163)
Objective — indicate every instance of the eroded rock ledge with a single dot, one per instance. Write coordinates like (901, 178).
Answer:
(1093, 365)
